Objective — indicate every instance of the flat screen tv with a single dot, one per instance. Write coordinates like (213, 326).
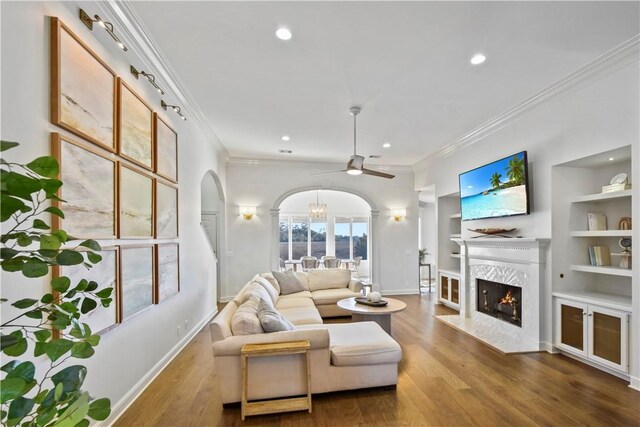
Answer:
(497, 189)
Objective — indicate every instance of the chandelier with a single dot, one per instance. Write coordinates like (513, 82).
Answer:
(317, 209)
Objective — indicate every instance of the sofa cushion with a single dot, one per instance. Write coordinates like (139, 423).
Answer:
(302, 315)
(304, 279)
(271, 320)
(273, 293)
(245, 320)
(303, 294)
(360, 343)
(329, 279)
(244, 293)
(271, 280)
(288, 282)
(332, 296)
(294, 303)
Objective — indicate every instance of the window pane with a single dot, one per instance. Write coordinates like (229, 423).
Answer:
(284, 239)
(342, 240)
(299, 232)
(360, 235)
(318, 239)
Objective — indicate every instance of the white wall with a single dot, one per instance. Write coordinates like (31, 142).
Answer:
(601, 116)
(429, 230)
(127, 353)
(250, 244)
(338, 203)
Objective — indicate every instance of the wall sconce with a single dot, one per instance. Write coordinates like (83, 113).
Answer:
(175, 108)
(108, 26)
(399, 214)
(150, 77)
(247, 212)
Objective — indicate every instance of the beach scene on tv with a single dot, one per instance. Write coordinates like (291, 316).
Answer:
(494, 190)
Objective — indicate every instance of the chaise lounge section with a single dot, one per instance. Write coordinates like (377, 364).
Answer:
(343, 356)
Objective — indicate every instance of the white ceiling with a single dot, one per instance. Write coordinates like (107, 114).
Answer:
(406, 64)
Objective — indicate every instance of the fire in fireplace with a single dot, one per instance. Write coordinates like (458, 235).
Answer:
(500, 300)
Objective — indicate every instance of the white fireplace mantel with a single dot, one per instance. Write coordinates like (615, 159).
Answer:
(514, 261)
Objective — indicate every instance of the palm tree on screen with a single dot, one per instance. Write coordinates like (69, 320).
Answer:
(495, 180)
(515, 171)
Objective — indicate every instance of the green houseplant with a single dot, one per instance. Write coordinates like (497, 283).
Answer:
(422, 253)
(49, 327)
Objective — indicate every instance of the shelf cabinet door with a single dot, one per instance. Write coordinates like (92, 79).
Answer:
(571, 332)
(454, 287)
(444, 287)
(608, 337)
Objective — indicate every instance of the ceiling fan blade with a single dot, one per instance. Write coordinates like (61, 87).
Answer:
(324, 173)
(376, 173)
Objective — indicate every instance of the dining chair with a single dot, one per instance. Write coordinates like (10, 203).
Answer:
(309, 263)
(354, 266)
(332, 262)
(283, 267)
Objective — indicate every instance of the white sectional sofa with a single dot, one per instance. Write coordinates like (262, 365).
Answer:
(343, 356)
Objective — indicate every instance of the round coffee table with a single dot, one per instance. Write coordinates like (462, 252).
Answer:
(367, 313)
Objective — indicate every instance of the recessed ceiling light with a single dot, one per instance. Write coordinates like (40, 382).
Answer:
(386, 145)
(285, 151)
(285, 138)
(283, 34)
(478, 59)
(611, 159)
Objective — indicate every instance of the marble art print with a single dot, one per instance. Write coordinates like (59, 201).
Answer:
(136, 264)
(135, 128)
(166, 151)
(105, 274)
(166, 211)
(85, 92)
(89, 191)
(168, 271)
(136, 204)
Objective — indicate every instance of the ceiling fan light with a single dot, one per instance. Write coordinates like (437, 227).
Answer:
(354, 172)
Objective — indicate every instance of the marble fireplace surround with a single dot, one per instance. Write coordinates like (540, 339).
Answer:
(517, 262)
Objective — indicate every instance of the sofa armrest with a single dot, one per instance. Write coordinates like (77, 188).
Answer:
(355, 285)
(318, 338)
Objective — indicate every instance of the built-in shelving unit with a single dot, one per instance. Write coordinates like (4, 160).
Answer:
(586, 296)
(449, 227)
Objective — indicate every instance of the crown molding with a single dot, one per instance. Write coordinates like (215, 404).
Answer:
(604, 65)
(137, 38)
(314, 164)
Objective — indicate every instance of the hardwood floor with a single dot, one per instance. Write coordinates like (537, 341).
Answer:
(446, 378)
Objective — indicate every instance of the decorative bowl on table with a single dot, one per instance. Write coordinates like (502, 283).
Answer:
(364, 301)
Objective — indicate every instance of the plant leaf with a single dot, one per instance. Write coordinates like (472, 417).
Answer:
(104, 293)
(35, 268)
(13, 265)
(40, 224)
(9, 366)
(91, 244)
(20, 407)
(88, 304)
(45, 166)
(61, 235)
(57, 348)
(55, 211)
(69, 257)
(25, 303)
(61, 284)
(25, 371)
(94, 257)
(11, 388)
(19, 185)
(8, 253)
(50, 186)
(75, 412)
(46, 299)
(16, 349)
(94, 340)
(24, 240)
(92, 286)
(49, 242)
(42, 335)
(8, 206)
(7, 145)
(82, 350)
(70, 377)
(100, 409)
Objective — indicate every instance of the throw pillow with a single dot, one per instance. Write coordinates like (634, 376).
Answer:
(271, 280)
(245, 293)
(245, 320)
(271, 319)
(289, 283)
(268, 287)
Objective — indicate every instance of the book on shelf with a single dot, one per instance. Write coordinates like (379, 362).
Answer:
(596, 221)
(616, 187)
(599, 256)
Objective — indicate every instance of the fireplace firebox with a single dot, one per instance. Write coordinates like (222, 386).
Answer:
(500, 300)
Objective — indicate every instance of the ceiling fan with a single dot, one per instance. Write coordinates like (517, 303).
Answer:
(355, 166)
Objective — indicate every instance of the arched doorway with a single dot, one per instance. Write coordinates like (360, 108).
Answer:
(346, 232)
(212, 219)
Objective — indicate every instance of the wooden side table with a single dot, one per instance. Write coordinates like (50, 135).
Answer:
(274, 405)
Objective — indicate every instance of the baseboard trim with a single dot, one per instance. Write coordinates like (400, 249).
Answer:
(123, 404)
(412, 291)
(634, 383)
